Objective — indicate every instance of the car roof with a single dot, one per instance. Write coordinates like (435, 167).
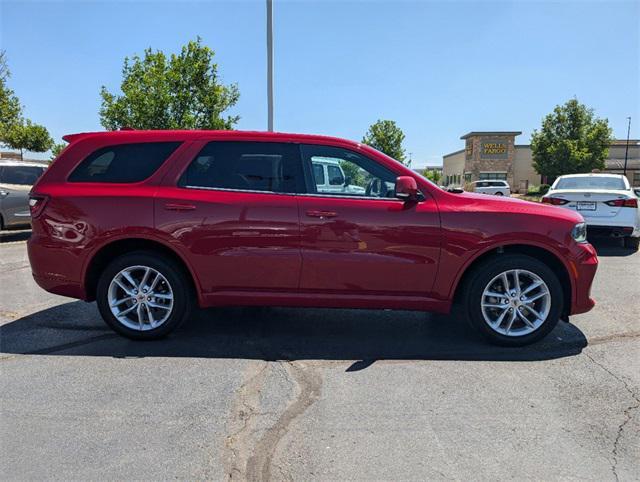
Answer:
(591, 174)
(134, 134)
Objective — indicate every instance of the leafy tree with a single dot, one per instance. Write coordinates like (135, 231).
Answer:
(387, 137)
(56, 149)
(434, 175)
(10, 109)
(28, 136)
(571, 140)
(182, 91)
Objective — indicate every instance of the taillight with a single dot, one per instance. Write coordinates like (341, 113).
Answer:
(623, 203)
(556, 201)
(36, 204)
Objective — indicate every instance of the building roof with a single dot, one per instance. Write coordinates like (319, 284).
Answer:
(623, 142)
(491, 133)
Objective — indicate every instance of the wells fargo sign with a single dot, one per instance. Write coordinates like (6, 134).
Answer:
(494, 149)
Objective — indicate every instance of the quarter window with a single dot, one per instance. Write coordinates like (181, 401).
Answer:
(318, 174)
(123, 163)
(246, 166)
(349, 173)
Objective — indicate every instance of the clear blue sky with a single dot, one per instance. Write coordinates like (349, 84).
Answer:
(439, 69)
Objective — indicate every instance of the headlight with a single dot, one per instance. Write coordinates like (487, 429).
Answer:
(579, 233)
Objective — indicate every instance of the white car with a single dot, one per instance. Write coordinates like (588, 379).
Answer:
(330, 177)
(16, 179)
(607, 203)
(497, 188)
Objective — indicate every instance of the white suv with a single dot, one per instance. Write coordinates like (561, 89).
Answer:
(607, 203)
(330, 177)
(497, 188)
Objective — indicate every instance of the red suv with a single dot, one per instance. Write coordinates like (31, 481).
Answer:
(149, 223)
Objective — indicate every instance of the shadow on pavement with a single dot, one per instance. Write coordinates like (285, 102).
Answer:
(364, 336)
(613, 247)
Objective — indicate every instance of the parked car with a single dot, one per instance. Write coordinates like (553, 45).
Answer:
(330, 178)
(16, 180)
(151, 223)
(497, 188)
(606, 201)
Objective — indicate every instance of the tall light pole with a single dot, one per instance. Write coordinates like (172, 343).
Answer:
(626, 151)
(270, 65)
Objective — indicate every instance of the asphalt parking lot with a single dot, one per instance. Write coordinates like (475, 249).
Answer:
(292, 394)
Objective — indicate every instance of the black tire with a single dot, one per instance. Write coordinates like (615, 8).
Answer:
(183, 296)
(632, 243)
(499, 193)
(482, 275)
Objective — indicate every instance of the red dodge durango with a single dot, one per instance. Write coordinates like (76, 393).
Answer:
(151, 224)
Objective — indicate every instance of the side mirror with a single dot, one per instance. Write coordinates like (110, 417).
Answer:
(406, 188)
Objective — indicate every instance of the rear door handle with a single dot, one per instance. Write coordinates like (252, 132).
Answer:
(313, 213)
(179, 207)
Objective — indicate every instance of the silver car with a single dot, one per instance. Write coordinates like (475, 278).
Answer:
(16, 179)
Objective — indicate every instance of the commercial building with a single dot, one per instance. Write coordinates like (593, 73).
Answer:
(495, 155)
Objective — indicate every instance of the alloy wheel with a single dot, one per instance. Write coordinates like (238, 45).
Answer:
(516, 302)
(140, 298)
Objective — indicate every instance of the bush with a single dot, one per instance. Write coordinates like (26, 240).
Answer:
(538, 190)
(544, 188)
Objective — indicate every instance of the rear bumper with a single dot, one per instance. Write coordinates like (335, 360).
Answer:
(611, 231)
(55, 268)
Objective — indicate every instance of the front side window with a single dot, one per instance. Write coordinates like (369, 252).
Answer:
(349, 173)
(20, 175)
(123, 163)
(246, 166)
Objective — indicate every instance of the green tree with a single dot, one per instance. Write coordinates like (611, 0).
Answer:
(434, 175)
(571, 140)
(56, 149)
(387, 137)
(28, 136)
(10, 109)
(182, 91)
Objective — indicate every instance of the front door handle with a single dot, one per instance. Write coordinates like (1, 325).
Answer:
(179, 207)
(313, 213)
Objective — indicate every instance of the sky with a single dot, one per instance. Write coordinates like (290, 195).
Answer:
(439, 69)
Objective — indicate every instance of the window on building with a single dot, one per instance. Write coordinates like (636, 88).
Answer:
(467, 177)
(636, 178)
(493, 175)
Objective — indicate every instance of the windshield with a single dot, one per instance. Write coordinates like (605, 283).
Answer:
(590, 182)
(23, 175)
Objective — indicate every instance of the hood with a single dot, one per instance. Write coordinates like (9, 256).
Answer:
(484, 203)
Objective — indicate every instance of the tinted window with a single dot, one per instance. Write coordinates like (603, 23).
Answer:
(350, 173)
(246, 166)
(591, 182)
(24, 175)
(318, 173)
(123, 163)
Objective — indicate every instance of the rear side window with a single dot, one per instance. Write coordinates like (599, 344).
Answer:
(123, 163)
(246, 166)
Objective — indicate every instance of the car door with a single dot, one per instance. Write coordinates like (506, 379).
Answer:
(365, 241)
(233, 210)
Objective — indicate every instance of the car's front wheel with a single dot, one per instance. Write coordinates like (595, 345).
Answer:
(143, 296)
(513, 300)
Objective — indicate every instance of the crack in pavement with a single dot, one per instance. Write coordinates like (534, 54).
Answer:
(626, 413)
(309, 384)
(247, 459)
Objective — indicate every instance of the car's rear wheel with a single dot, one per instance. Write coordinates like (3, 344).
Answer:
(143, 297)
(499, 193)
(632, 243)
(513, 300)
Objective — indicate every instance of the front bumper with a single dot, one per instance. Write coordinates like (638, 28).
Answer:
(583, 270)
